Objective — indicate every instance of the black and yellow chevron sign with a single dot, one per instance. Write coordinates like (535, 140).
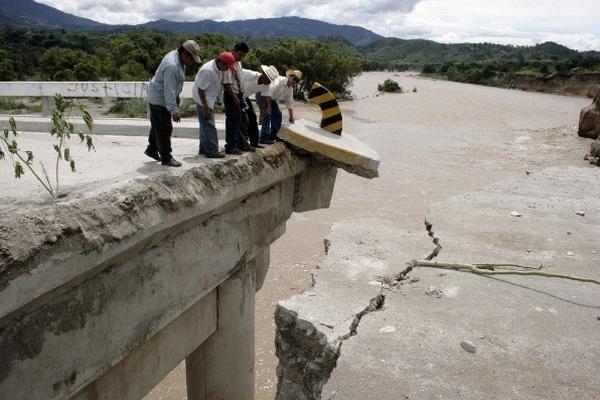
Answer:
(331, 115)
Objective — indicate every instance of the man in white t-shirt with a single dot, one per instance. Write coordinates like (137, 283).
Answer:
(206, 89)
(255, 82)
(281, 89)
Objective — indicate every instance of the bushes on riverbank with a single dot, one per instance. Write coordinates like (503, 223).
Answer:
(503, 74)
(389, 86)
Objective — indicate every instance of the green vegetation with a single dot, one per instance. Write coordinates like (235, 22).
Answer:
(134, 54)
(400, 54)
(62, 129)
(317, 62)
(17, 105)
(130, 108)
(389, 86)
(503, 74)
(11, 104)
(187, 108)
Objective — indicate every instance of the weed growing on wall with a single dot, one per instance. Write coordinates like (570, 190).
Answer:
(62, 129)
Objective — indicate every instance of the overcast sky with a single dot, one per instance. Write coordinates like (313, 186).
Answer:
(574, 23)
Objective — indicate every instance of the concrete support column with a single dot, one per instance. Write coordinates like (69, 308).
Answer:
(222, 368)
(47, 104)
(261, 264)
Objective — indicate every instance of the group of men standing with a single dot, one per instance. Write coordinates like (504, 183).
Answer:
(221, 78)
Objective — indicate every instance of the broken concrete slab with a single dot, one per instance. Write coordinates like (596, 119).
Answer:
(344, 151)
(416, 339)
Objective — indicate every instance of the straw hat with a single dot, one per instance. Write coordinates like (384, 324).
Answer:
(294, 72)
(270, 71)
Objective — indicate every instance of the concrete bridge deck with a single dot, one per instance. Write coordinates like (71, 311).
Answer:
(138, 267)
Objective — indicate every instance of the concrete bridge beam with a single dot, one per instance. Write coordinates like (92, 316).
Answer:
(223, 367)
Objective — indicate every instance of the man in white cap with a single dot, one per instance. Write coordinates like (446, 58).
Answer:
(281, 89)
(207, 87)
(163, 99)
(256, 82)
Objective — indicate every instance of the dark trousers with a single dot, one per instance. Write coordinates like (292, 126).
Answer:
(233, 121)
(243, 140)
(161, 128)
(252, 129)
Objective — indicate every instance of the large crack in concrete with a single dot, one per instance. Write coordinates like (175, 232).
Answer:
(375, 304)
(309, 349)
(306, 356)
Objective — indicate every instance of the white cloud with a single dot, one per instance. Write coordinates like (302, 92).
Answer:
(522, 22)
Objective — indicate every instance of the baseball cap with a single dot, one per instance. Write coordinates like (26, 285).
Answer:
(228, 59)
(193, 48)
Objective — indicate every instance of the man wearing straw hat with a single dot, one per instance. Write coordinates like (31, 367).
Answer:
(281, 89)
(163, 99)
(256, 82)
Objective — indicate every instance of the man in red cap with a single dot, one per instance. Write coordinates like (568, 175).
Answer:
(207, 88)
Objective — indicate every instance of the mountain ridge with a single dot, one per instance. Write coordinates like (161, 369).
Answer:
(31, 13)
(282, 27)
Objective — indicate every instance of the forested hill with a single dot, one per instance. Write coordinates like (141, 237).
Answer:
(30, 13)
(400, 53)
(283, 27)
(376, 51)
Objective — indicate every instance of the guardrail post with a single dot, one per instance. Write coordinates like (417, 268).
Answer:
(47, 104)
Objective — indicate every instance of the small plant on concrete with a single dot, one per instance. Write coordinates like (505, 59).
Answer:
(62, 129)
(389, 86)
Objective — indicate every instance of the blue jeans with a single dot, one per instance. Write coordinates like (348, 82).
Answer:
(271, 123)
(209, 139)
